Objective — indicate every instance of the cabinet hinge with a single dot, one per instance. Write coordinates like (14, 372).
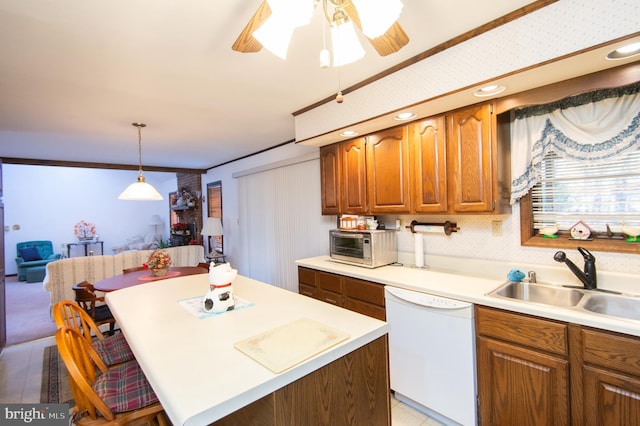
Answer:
(490, 108)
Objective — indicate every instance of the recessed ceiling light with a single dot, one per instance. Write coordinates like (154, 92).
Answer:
(625, 51)
(490, 90)
(348, 133)
(404, 116)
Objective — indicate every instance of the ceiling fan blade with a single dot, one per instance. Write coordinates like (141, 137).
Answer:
(390, 42)
(245, 42)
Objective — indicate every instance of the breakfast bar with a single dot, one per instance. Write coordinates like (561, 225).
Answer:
(218, 368)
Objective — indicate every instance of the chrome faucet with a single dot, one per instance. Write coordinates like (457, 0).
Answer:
(588, 277)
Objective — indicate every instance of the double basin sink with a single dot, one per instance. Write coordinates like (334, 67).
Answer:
(599, 302)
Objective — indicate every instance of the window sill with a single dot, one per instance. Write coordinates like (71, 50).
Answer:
(529, 238)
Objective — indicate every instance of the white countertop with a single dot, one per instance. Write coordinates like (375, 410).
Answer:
(467, 288)
(191, 363)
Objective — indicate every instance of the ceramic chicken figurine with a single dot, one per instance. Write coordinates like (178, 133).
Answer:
(549, 231)
(632, 233)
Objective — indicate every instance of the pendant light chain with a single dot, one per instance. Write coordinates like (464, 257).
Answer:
(139, 126)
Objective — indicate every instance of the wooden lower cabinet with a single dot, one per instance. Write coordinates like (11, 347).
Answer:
(353, 390)
(606, 366)
(535, 371)
(523, 378)
(357, 295)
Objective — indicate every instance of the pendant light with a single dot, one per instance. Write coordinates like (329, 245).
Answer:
(140, 190)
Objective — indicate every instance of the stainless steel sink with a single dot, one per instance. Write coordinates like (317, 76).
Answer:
(539, 293)
(617, 306)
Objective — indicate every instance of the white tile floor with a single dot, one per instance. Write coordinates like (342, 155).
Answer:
(21, 376)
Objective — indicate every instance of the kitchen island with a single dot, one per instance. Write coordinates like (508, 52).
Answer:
(201, 378)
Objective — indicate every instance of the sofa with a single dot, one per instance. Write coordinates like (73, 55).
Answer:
(33, 256)
(62, 274)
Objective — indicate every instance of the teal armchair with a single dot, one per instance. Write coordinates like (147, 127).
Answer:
(32, 254)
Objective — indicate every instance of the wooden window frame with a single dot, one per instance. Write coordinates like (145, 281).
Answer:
(530, 238)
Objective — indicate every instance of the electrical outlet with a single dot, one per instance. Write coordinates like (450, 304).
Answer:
(496, 228)
(16, 227)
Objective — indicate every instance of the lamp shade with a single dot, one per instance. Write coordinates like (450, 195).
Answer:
(212, 227)
(346, 46)
(376, 16)
(140, 191)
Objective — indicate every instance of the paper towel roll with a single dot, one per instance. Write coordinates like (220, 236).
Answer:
(419, 249)
(433, 229)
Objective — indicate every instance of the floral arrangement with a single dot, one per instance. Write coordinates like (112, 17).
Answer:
(84, 230)
(159, 259)
(180, 226)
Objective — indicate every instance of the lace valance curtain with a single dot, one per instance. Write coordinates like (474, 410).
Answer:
(594, 127)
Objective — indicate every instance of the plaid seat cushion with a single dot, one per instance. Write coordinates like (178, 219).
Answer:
(113, 349)
(125, 388)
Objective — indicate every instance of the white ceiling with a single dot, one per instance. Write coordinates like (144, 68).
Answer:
(75, 74)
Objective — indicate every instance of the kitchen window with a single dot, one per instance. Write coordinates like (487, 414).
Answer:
(578, 160)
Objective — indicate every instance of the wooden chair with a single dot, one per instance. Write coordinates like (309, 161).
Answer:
(112, 349)
(119, 395)
(134, 269)
(87, 298)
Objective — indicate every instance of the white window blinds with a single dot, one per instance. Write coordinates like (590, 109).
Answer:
(599, 194)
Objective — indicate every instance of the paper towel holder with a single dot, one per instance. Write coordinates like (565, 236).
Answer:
(447, 227)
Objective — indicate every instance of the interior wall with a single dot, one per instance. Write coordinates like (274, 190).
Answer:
(46, 202)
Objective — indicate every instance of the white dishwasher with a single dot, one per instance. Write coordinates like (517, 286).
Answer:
(432, 354)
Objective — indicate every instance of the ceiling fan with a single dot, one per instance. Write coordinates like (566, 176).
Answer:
(390, 41)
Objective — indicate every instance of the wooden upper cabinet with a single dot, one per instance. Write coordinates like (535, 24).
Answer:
(472, 162)
(388, 171)
(353, 172)
(330, 179)
(429, 165)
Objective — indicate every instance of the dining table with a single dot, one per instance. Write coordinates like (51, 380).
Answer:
(129, 279)
(272, 357)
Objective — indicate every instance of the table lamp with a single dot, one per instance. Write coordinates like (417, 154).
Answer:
(212, 228)
(156, 221)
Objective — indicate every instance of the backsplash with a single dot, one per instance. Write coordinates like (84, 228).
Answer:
(475, 240)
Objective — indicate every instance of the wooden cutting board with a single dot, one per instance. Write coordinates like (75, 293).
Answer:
(283, 347)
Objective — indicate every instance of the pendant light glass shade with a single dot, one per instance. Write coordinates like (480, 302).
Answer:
(346, 46)
(140, 190)
(286, 15)
(377, 16)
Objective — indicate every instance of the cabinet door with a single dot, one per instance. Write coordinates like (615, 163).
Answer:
(472, 160)
(307, 282)
(518, 386)
(610, 399)
(388, 171)
(364, 297)
(330, 288)
(353, 173)
(429, 165)
(330, 179)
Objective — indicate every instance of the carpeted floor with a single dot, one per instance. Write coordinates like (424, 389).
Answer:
(27, 306)
(55, 381)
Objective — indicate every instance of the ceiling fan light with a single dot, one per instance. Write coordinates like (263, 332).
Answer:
(346, 46)
(377, 16)
(275, 35)
(140, 191)
(296, 12)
